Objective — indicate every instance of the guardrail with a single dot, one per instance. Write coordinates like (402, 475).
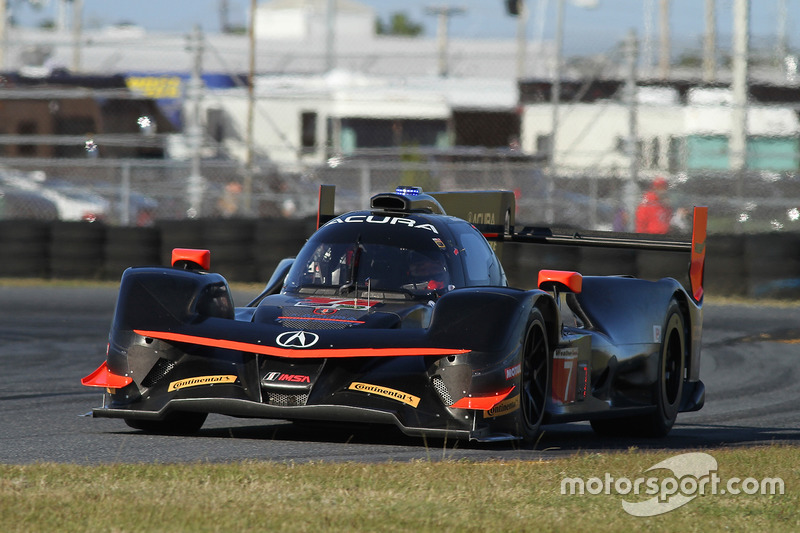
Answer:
(247, 250)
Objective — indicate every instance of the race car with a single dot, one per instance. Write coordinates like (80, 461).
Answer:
(401, 314)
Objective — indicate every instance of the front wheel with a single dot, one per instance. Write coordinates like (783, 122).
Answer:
(535, 382)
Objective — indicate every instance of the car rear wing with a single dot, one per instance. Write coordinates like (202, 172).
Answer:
(695, 247)
(493, 214)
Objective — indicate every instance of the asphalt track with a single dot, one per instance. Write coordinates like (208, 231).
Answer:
(51, 336)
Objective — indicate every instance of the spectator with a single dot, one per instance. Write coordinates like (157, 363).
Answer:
(228, 204)
(653, 214)
(620, 220)
(679, 221)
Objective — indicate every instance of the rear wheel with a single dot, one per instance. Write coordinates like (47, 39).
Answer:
(671, 370)
(179, 423)
(672, 363)
(535, 383)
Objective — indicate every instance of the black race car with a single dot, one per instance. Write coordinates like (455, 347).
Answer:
(402, 315)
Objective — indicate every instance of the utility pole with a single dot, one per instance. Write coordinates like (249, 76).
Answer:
(782, 45)
(247, 188)
(738, 142)
(3, 32)
(61, 15)
(330, 36)
(519, 9)
(632, 187)
(539, 24)
(192, 128)
(664, 56)
(710, 43)
(522, 38)
(77, 30)
(647, 40)
(443, 15)
(555, 97)
(555, 102)
(223, 16)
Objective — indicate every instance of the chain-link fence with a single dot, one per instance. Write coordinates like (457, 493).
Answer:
(141, 192)
(97, 146)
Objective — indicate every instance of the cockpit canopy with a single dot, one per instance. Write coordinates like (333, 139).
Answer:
(406, 254)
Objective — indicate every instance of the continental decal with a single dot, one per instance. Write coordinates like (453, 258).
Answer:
(200, 380)
(400, 396)
(503, 408)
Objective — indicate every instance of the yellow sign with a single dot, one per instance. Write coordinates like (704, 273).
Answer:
(155, 86)
(508, 405)
(200, 380)
(400, 396)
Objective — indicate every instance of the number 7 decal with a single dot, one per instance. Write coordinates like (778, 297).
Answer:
(564, 377)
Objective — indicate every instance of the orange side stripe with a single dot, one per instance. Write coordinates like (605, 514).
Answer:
(300, 353)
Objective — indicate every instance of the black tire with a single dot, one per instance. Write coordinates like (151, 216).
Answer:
(535, 380)
(669, 389)
(671, 370)
(180, 423)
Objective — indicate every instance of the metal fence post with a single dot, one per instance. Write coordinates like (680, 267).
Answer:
(193, 127)
(366, 183)
(125, 195)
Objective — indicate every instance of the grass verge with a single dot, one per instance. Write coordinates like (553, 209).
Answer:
(416, 496)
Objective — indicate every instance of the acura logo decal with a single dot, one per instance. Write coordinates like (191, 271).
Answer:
(297, 339)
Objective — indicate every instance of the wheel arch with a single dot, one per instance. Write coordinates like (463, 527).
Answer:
(502, 310)
(692, 318)
(159, 297)
(547, 305)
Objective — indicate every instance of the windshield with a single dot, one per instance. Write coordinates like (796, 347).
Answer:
(390, 258)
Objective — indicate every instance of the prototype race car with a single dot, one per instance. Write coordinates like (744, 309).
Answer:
(402, 315)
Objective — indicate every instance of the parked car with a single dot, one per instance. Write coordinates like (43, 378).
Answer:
(15, 203)
(75, 202)
(72, 202)
(140, 210)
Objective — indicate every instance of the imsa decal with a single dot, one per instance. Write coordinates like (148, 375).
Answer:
(509, 405)
(200, 380)
(294, 378)
(400, 396)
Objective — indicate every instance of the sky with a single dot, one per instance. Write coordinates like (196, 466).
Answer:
(586, 30)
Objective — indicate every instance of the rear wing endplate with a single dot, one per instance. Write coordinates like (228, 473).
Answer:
(326, 205)
(696, 247)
